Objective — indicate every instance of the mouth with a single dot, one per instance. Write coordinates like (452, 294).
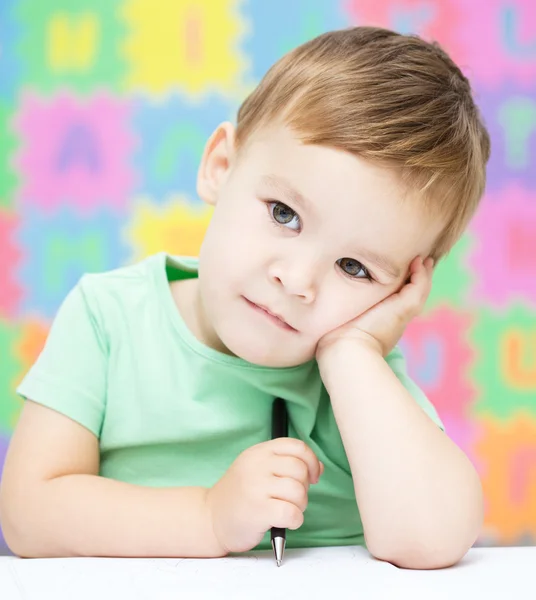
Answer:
(274, 318)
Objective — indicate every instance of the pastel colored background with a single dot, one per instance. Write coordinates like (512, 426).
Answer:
(105, 106)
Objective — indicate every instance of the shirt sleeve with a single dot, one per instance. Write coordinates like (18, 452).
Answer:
(397, 362)
(69, 375)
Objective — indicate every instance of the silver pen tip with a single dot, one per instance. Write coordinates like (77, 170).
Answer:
(278, 544)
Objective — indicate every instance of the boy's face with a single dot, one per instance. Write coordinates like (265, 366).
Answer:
(308, 233)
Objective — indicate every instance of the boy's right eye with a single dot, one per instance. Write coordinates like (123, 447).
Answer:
(284, 215)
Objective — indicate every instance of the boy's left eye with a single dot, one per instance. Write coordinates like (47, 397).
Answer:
(284, 215)
(353, 268)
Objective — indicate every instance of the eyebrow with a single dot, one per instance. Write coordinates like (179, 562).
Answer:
(284, 187)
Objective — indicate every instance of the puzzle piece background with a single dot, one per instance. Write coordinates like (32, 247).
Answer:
(104, 109)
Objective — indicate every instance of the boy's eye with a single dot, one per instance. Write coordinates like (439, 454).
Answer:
(353, 268)
(284, 215)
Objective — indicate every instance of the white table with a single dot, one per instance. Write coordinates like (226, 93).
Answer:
(309, 574)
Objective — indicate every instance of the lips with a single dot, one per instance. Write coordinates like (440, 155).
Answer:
(272, 313)
(274, 316)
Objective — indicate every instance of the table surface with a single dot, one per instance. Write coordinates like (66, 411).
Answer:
(323, 573)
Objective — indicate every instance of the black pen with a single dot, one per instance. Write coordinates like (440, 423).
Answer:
(279, 429)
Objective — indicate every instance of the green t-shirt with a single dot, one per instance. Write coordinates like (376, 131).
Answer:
(169, 411)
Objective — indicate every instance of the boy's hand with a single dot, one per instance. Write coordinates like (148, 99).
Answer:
(382, 326)
(265, 487)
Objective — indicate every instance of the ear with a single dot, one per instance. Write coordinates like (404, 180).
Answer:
(216, 162)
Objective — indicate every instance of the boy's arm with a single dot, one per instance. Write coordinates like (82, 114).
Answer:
(53, 503)
(419, 496)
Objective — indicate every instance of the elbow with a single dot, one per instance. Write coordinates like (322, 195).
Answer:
(437, 548)
(12, 538)
(436, 542)
(18, 549)
(15, 532)
(424, 557)
(6, 522)
(24, 542)
(19, 545)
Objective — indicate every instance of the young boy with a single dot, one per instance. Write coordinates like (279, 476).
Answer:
(355, 165)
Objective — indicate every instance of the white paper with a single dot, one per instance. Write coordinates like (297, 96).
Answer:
(309, 574)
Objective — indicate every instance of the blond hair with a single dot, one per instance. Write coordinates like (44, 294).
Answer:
(393, 99)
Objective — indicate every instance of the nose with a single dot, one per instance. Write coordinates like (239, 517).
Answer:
(296, 277)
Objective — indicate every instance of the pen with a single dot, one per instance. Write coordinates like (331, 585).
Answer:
(279, 429)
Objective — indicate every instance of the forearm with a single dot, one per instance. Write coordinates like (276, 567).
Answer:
(87, 515)
(419, 496)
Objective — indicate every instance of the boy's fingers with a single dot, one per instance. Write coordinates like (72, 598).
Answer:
(299, 449)
(289, 490)
(290, 466)
(416, 293)
(285, 514)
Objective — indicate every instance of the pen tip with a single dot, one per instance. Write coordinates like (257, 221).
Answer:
(278, 563)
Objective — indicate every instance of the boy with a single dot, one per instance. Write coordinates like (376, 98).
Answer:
(356, 163)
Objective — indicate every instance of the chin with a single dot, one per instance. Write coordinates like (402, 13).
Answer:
(266, 354)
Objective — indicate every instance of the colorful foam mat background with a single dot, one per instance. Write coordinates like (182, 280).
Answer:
(104, 109)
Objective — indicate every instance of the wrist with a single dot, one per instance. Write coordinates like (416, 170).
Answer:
(345, 357)
(219, 548)
(335, 350)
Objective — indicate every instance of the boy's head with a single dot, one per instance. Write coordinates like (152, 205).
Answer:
(358, 151)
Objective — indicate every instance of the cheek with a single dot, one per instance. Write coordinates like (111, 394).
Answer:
(331, 314)
(233, 248)
(346, 305)
(224, 239)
